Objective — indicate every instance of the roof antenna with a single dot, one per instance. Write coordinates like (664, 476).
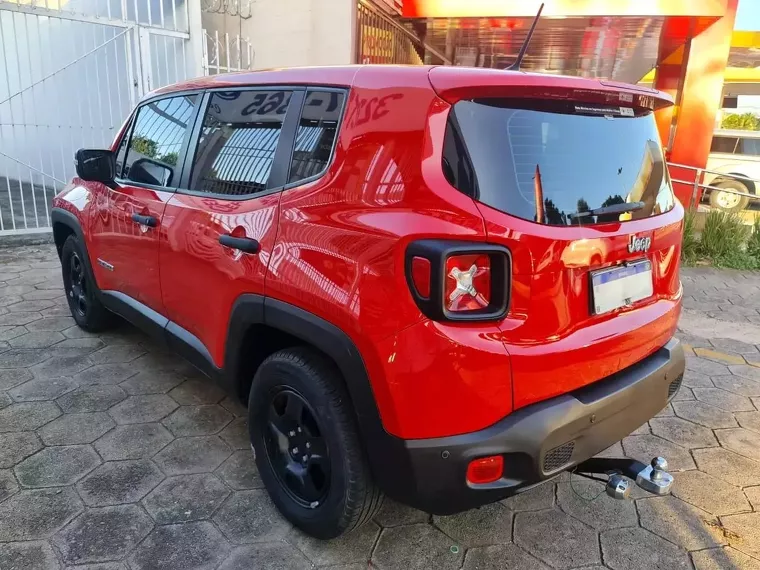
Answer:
(516, 64)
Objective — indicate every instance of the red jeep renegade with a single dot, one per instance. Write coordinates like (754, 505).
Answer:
(440, 284)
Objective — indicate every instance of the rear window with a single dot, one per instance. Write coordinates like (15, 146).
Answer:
(557, 163)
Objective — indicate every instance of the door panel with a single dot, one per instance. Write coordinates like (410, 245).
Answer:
(127, 220)
(200, 277)
(125, 253)
(233, 179)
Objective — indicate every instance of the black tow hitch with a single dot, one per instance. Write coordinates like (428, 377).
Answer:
(620, 473)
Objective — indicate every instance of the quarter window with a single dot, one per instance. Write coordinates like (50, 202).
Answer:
(750, 147)
(316, 134)
(238, 140)
(156, 141)
(725, 145)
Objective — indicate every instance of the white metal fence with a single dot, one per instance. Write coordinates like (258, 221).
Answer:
(71, 71)
(703, 183)
(223, 53)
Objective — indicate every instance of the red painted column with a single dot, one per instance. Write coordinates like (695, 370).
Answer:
(694, 75)
(671, 68)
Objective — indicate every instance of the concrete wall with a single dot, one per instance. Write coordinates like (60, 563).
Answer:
(287, 33)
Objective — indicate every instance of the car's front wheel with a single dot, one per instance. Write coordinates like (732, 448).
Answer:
(85, 307)
(307, 446)
(729, 201)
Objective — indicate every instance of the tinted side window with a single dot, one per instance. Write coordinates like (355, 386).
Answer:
(749, 147)
(156, 141)
(238, 140)
(316, 134)
(456, 165)
(723, 144)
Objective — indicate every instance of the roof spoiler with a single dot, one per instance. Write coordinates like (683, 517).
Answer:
(453, 84)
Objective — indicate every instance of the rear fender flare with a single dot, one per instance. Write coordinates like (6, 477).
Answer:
(250, 309)
(386, 453)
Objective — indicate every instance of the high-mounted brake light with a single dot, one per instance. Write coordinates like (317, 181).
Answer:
(459, 281)
(468, 283)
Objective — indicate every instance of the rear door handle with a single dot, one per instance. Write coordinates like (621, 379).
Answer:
(248, 245)
(149, 221)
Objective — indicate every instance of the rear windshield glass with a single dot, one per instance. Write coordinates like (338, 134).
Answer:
(558, 163)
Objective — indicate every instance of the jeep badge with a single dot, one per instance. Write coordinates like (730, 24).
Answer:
(639, 244)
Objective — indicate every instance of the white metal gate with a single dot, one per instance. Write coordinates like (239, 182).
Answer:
(224, 52)
(70, 72)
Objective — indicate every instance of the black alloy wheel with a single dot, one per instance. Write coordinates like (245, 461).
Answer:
(81, 289)
(77, 285)
(307, 445)
(296, 449)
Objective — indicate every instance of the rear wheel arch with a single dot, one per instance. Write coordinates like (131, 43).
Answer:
(735, 177)
(260, 326)
(254, 317)
(257, 343)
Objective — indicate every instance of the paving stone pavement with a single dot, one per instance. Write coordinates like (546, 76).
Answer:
(117, 455)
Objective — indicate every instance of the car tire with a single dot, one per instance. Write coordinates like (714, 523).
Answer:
(81, 291)
(298, 402)
(727, 201)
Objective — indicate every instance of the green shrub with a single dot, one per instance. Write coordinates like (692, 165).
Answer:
(724, 241)
(745, 121)
(723, 237)
(738, 260)
(753, 243)
(690, 243)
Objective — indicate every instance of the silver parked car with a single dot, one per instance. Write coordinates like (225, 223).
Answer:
(734, 164)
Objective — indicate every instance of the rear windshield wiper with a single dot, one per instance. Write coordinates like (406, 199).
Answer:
(613, 209)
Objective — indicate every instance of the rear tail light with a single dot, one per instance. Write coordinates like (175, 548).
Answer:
(452, 281)
(485, 469)
(421, 275)
(468, 283)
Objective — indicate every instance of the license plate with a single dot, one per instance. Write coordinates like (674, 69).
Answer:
(621, 286)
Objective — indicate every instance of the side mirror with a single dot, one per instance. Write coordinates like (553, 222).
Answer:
(95, 165)
(150, 171)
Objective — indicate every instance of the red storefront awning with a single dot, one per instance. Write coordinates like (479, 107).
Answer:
(560, 8)
(617, 39)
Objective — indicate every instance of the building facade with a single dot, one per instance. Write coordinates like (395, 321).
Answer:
(71, 70)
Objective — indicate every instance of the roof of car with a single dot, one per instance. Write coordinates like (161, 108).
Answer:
(341, 75)
(344, 75)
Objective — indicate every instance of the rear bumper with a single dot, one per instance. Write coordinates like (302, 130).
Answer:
(537, 441)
